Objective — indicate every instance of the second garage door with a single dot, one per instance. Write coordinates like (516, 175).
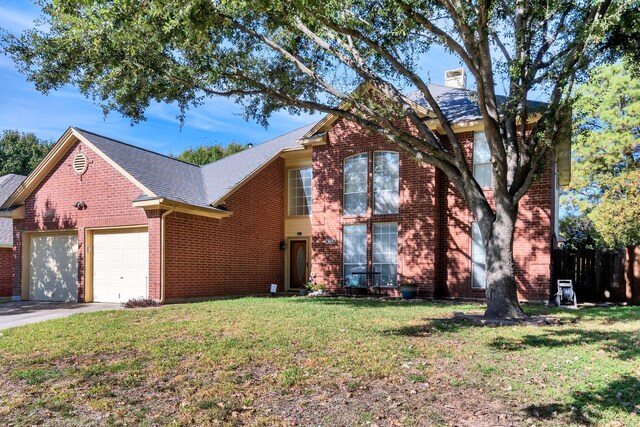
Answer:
(120, 265)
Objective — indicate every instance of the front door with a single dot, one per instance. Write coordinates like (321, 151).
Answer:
(297, 264)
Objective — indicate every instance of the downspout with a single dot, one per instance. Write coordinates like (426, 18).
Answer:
(162, 245)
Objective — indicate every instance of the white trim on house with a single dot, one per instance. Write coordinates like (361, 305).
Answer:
(59, 150)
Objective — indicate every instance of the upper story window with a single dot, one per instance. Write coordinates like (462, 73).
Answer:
(481, 160)
(300, 191)
(355, 184)
(386, 179)
(478, 266)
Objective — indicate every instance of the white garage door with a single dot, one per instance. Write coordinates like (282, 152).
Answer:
(120, 266)
(53, 267)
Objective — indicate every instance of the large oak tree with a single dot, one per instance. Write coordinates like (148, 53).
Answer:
(308, 55)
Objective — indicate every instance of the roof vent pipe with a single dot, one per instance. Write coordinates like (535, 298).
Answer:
(455, 78)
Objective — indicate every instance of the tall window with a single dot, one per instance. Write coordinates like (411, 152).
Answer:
(385, 253)
(478, 268)
(300, 191)
(355, 184)
(354, 248)
(385, 182)
(481, 159)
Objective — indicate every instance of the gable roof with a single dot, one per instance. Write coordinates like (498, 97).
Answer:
(163, 175)
(460, 105)
(225, 175)
(163, 178)
(8, 185)
(180, 181)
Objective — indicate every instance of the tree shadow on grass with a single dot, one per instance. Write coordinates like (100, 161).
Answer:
(623, 345)
(377, 302)
(610, 314)
(430, 326)
(622, 394)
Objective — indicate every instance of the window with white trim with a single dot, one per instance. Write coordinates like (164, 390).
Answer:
(300, 191)
(386, 179)
(354, 248)
(385, 253)
(478, 266)
(481, 160)
(355, 184)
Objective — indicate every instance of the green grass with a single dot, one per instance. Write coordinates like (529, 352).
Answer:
(261, 361)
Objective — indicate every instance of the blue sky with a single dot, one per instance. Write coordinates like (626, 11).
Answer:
(218, 121)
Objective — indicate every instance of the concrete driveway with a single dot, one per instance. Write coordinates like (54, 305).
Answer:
(25, 312)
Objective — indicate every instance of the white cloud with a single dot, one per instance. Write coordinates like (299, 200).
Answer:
(16, 20)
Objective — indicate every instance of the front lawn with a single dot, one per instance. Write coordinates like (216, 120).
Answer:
(303, 361)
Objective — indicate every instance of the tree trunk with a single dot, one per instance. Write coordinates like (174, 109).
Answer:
(501, 292)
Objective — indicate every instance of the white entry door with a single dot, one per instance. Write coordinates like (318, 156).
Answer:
(53, 267)
(120, 265)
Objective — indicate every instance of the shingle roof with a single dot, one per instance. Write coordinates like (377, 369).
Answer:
(163, 175)
(222, 176)
(183, 182)
(459, 105)
(8, 185)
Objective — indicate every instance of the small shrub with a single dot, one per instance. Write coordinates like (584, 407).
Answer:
(315, 287)
(140, 302)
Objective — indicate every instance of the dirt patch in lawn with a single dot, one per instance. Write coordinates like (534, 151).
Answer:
(387, 402)
(120, 389)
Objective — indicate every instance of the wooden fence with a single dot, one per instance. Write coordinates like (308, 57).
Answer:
(600, 276)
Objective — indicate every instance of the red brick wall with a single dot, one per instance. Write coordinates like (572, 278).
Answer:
(532, 240)
(107, 194)
(155, 256)
(238, 255)
(417, 219)
(6, 264)
(434, 223)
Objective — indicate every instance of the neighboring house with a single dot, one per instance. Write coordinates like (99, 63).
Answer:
(8, 184)
(101, 220)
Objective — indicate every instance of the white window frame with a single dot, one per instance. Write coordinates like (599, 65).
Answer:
(476, 164)
(344, 185)
(474, 227)
(344, 246)
(397, 189)
(309, 199)
(373, 252)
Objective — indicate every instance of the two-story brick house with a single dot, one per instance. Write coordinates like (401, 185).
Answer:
(101, 220)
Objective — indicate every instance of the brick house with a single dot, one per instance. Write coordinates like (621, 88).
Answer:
(8, 184)
(100, 220)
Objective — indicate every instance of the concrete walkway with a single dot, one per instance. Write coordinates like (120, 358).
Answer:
(25, 312)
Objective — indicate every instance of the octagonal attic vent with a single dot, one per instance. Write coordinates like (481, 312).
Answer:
(80, 163)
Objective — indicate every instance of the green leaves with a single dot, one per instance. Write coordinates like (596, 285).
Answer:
(20, 153)
(606, 167)
(203, 154)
